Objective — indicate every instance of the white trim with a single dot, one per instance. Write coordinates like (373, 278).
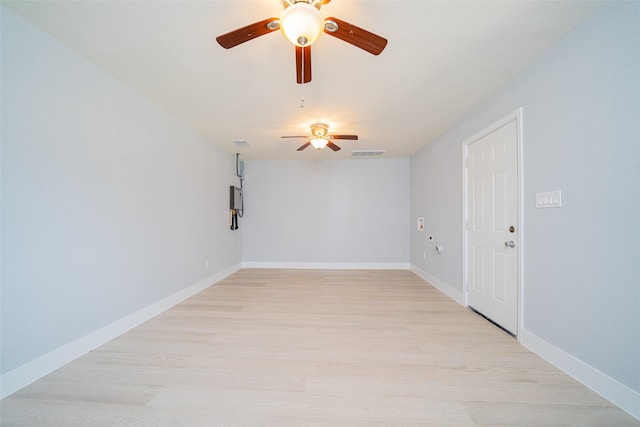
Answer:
(609, 388)
(20, 377)
(439, 285)
(329, 265)
(465, 220)
(516, 116)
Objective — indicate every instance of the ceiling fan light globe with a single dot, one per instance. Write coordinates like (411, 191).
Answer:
(318, 143)
(302, 24)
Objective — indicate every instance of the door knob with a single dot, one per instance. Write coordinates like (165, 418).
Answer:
(510, 244)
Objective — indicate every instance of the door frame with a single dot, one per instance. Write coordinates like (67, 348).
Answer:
(517, 117)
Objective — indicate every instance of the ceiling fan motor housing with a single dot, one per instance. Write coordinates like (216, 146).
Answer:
(319, 130)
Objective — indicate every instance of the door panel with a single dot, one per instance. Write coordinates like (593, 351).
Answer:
(492, 206)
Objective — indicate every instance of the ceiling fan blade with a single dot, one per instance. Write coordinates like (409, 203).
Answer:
(244, 34)
(303, 146)
(303, 64)
(333, 146)
(356, 36)
(295, 136)
(351, 137)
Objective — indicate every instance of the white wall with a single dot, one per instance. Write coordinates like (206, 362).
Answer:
(340, 213)
(581, 110)
(109, 205)
(436, 196)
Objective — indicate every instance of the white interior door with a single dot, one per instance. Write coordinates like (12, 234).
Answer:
(492, 226)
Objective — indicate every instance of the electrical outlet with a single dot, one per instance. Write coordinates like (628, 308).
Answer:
(206, 263)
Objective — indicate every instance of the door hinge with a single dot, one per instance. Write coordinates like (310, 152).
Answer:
(466, 225)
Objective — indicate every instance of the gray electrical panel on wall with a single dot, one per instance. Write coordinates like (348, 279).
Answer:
(235, 198)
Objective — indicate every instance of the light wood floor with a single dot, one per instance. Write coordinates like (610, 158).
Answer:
(312, 348)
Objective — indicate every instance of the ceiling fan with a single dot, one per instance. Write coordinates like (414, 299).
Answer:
(320, 137)
(302, 23)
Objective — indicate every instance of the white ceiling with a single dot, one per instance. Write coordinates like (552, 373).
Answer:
(442, 59)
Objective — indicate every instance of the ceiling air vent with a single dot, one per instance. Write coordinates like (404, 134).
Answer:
(241, 143)
(367, 153)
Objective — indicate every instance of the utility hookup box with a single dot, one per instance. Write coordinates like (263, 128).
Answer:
(235, 198)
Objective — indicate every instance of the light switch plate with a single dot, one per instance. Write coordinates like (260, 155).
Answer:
(549, 199)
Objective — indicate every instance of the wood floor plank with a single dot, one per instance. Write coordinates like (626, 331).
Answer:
(312, 348)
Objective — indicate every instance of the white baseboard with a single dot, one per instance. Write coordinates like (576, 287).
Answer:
(612, 390)
(329, 265)
(20, 377)
(439, 285)
(609, 388)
